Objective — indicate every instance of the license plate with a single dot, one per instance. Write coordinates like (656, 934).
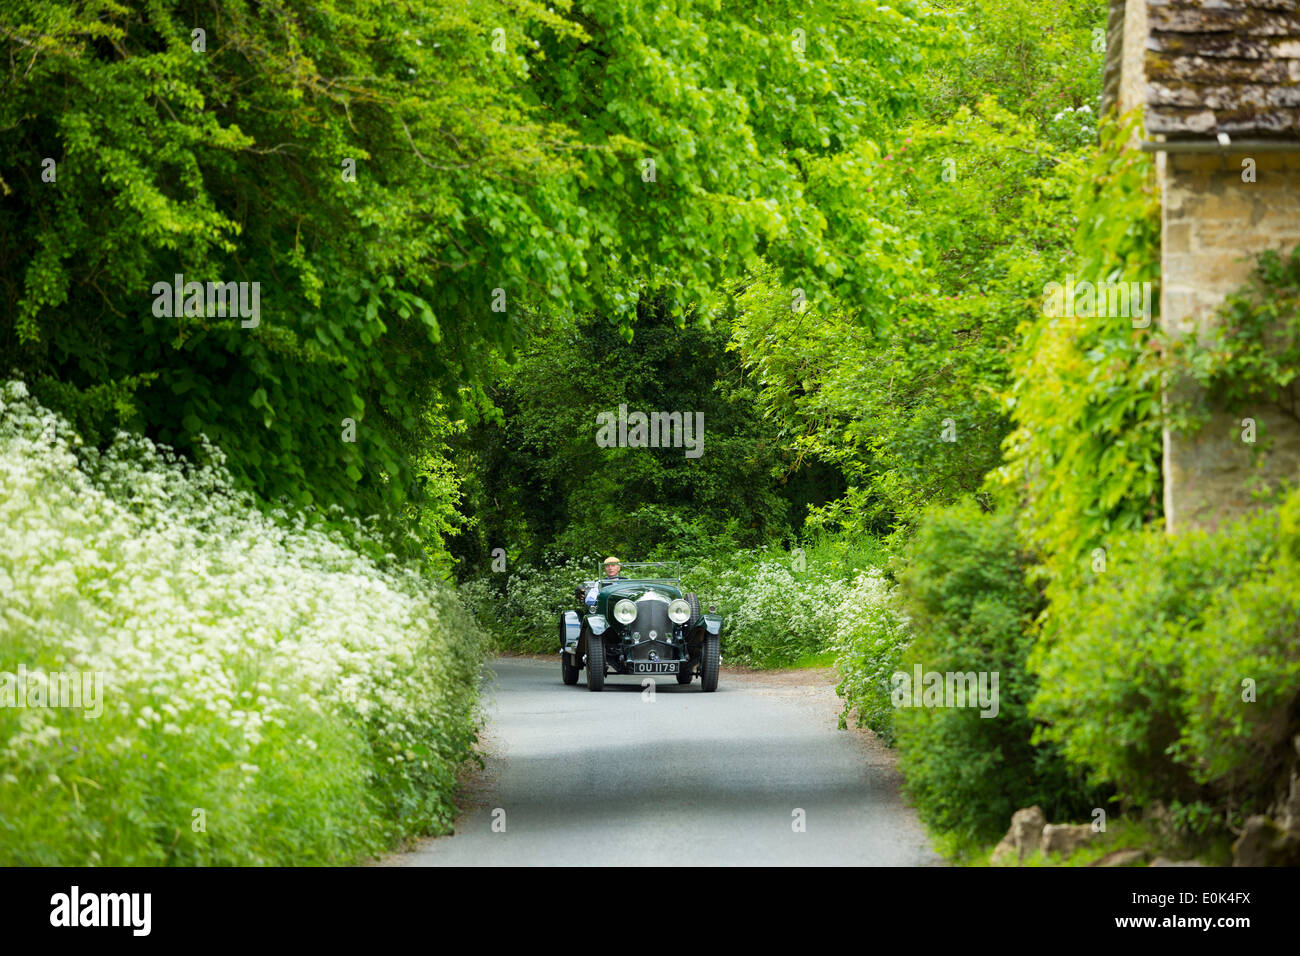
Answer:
(654, 667)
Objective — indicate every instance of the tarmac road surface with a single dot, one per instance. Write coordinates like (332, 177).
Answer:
(613, 778)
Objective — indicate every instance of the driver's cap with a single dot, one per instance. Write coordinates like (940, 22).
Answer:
(609, 561)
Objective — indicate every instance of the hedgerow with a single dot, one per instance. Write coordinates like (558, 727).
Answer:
(1174, 674)
(269, 695)
(972, 606)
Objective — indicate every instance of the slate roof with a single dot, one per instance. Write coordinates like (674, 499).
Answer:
(1223, 66)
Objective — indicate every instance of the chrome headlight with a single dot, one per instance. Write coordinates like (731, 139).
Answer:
(625, 611)
(679, 611)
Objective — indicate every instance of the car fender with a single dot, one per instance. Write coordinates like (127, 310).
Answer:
(570, 628)
(711, 623)
(597, 624)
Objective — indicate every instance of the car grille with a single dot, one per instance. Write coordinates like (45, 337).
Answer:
(652, 616)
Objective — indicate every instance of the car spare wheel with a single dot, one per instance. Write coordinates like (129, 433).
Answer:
(694, 619)
(568, 668)
(710, 663)
(595, 662)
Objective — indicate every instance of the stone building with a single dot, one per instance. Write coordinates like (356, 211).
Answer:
(1218, 83)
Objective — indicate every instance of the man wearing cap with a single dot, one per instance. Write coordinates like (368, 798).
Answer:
(612, 567)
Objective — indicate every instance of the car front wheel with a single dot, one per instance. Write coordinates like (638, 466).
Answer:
(710, 663)
(595, 663)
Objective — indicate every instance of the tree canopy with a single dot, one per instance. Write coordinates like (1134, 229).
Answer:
(417, 188)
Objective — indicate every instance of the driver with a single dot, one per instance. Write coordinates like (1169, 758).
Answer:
(612, 568)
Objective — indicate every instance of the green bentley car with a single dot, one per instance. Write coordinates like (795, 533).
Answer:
(643, 625)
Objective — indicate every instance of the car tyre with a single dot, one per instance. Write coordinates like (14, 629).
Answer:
(684, 675)
(710, 663)
(568, 671)
(694, 619)
(595, 662)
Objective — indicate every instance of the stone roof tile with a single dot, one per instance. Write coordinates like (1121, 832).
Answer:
(1223, 66)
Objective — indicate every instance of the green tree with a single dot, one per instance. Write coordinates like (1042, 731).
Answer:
(916, 416)
(502, 159)
(544, 484)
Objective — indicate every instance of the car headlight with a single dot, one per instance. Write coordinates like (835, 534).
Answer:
(625, 611)
(679, 611)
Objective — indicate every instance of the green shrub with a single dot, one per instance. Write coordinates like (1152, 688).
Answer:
(1142, 671)
(872, 635)
(1251, 354)
(971, 609)
(774, 615)
(521, 608)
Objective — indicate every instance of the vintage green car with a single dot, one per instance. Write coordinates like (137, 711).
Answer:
(642, 625)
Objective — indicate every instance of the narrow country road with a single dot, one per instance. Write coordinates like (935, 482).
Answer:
(688, 778)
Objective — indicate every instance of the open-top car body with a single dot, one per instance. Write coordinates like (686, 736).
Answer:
(643, 625)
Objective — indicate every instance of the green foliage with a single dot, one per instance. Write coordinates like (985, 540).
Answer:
(971, 609)
(521, 608)
(773, 614)
(915, 418)
(1251, 353)
(1085, 454)
(1143, 675)
(313, 703)
(872, 636)
(498, 146)
(781, 608)
(542, 483)
(226, 164)
(1038, 56)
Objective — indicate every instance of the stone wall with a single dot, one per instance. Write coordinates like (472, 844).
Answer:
(1214, 224)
